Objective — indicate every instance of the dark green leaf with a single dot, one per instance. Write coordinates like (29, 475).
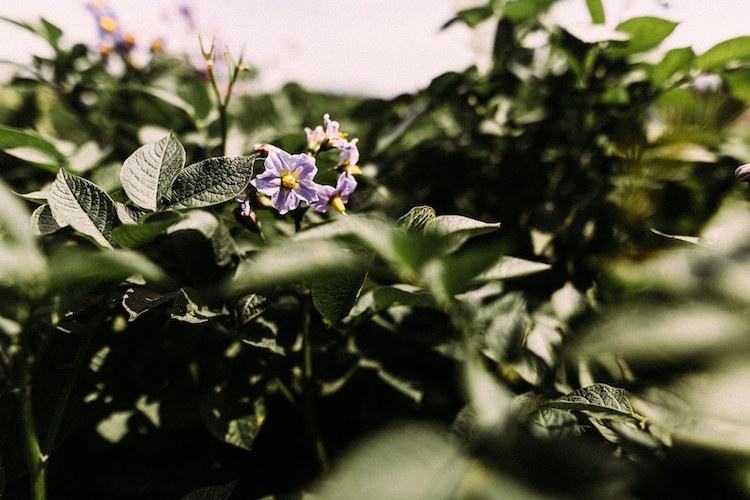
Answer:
(512, 267)
(129, 214)
(84, 205)
(250, 306)
(219, 492)
(334, 296)
(137, 235)
(232, 421)
(140, 299)
(188, 310)
(722, 53)
(149, 172)
(454, 230)
(471, 17)
(223, 246)
(43, 222)
(211, 181)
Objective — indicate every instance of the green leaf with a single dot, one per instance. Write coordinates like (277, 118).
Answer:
(43, 222)
(45, 29)
(471, 17)
(249, 307)
(645, 33)
(334, 296)
(188, 310)
(512, 267)
(596, 10)
(415, 220)
(231, 420)
(408, 462)
(211, 181)
(718, 56)
(454, 230)
(149, 172)
(28, 144)
(369, 231)
(738, 82)
(223, 246)
(406, 295)
(295, 262)
(140, 299)
(217, 492)
(84, 205)
(675, 61)
(600, 398)
(137, 235)
(35, 196)
(75, 265)
(20, 259)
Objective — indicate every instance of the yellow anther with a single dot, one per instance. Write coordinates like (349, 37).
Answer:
(156, 46)
(338, 203)
(108, 24)
(288, 181)
(352, 169)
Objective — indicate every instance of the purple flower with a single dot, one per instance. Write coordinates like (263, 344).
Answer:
(349, 155)
(315, 138)
(288, 179)
(332, 129)
(743, 173)
(336, 197)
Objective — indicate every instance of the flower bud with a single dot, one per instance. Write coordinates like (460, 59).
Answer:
(743, 173)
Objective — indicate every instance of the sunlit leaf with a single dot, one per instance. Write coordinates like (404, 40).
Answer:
(188, 310)
(211, 181)
(675, 61)
(645, 33)
(599, 398)
(596, 10)
(149, 172)
(294, 262)
(84, 205)
(508, 267)
(454, 230)
(232, 421)
(724, 52)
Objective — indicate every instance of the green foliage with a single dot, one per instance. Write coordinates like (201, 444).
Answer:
(590, 345)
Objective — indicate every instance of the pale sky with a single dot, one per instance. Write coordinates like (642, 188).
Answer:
(376, 47)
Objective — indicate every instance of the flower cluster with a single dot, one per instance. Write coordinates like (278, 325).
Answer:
(288, 179)
(112, 38)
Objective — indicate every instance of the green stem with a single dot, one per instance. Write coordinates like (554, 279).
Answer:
(36, 462)
(67, 390)
(309, 394)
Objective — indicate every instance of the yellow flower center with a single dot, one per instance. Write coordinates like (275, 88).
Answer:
(338, 203)
(289, 180)
(108, 24)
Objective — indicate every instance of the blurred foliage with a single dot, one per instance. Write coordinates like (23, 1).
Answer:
(578, 331)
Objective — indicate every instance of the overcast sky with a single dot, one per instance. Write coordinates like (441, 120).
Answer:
(378, 47)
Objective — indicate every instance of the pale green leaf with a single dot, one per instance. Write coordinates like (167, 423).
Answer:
(295, 262)
(596, 10)
(416, 218)
(211, 181)
(84, 206)
(675, 62)
(137, 235)
(512, 267)
(721, 54)
(454, 230)
(645, 33)
(149, 172)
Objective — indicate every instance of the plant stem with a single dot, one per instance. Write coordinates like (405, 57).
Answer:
(36, 462)
(67, 390)
(309, 393)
